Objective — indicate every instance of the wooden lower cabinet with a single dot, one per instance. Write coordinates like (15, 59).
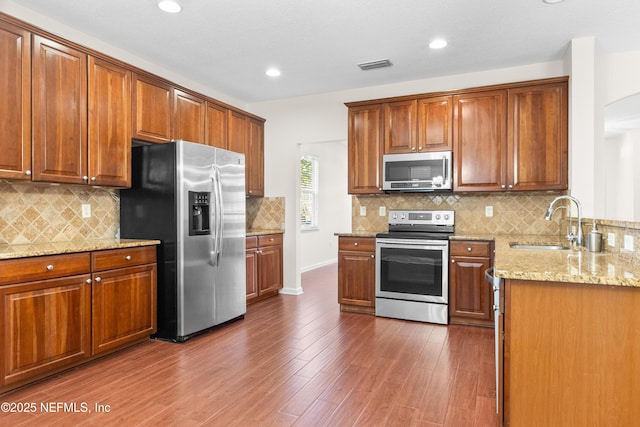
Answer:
(356, 274)
(571, 354)
(264, 266)
(470, 296)
(123, 300)
(52, 308)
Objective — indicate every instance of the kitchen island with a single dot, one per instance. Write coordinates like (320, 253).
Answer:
(571, 329)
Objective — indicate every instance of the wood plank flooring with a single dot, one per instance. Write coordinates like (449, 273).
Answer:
(294, 360)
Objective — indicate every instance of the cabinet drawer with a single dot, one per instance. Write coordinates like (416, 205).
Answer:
(43, 267)
(367, 244)
(469, 248)
(269, 240)
(118, 258)
(252, 242)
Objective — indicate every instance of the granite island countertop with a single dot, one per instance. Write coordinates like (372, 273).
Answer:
(8, 251)
(263, 232)
(572, 266)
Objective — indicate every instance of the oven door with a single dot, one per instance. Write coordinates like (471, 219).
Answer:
(413, 270)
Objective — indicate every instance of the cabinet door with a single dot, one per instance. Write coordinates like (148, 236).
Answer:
(123, 306)
(470, 299)
(45, 327)
(435, 124)
(15, 102)
(252, 273)
(238, 132)
(255, 159)
(216, 126)
(480, 141)
(356, 278)
(151, 116)
(189, 117)
(109, 149)
(365, 149)
(538, 147)
(400, 127)
(59, 113)
(269, 269)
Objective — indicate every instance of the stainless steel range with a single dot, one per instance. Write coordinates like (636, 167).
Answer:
(412, 274)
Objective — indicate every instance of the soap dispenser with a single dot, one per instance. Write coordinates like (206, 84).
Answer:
(594, 239)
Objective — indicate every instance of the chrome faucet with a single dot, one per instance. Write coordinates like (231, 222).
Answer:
(571, 237)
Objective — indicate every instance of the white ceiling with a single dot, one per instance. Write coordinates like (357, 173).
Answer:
(228, 44)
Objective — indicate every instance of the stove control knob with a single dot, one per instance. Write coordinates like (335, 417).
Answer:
(437, 217)
(446, 217)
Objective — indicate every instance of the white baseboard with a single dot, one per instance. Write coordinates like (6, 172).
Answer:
(291, 291)
(318, 265)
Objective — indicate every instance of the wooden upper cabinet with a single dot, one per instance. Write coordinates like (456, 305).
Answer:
(538, 137)
(59, 84)
(435, 123)
(246, 135)
(254, 159)
(189, 117)
(152, 112)
(15, 102)
(216, 126)
(480, 141)
(109, 143)
(400, 127)
(365, 149)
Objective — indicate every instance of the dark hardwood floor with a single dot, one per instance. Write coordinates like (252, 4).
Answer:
(294, 360)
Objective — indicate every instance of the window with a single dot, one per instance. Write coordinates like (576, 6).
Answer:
(308, 192)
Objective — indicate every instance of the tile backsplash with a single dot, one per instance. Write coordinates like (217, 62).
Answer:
(31, 212)
(513, 213)
(265, 213)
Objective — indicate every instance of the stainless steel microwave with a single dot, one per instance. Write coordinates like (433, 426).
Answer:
(429, 171)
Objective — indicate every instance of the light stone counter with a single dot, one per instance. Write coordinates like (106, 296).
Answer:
(39, 249)
(263, 232)
(575, 266)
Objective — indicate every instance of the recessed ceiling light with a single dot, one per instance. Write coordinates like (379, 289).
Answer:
(169, 6)
(438, 44)
(272, 72)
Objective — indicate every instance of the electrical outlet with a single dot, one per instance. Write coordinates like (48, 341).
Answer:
(86, 210)
(363, 211)
(382, 211)
(488, 211)
(628, 243)
(611, 239)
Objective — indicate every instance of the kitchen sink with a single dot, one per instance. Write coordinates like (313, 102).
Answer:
(539, 246)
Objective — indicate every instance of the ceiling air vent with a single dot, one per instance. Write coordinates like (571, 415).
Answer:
(364, 66)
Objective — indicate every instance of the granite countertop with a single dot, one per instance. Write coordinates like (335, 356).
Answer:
(263, 232)
(38, 249)
(575, 266)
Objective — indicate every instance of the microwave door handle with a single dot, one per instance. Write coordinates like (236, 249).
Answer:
(444, 168)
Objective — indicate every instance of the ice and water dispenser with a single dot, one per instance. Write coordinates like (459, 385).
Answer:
(199, 213)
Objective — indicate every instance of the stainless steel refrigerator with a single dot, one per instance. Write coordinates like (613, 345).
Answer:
(191, 197)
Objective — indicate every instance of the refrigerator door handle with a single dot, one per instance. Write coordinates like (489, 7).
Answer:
(216, 215)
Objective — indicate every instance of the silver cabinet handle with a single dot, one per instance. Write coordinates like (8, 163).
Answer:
(453, 261)
(128, 257)
(373, 256)
(27, 172)
(88, 281)
(85, 178)
(50, 267)
(355, 244)
(98, 279)
(502, 186)
(468, 249)
(93, 178)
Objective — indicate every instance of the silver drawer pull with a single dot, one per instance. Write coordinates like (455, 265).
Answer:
(355, 244)
(98, 279)
(50, 267)
(468, 249)
(88, 281)
(128, 257)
